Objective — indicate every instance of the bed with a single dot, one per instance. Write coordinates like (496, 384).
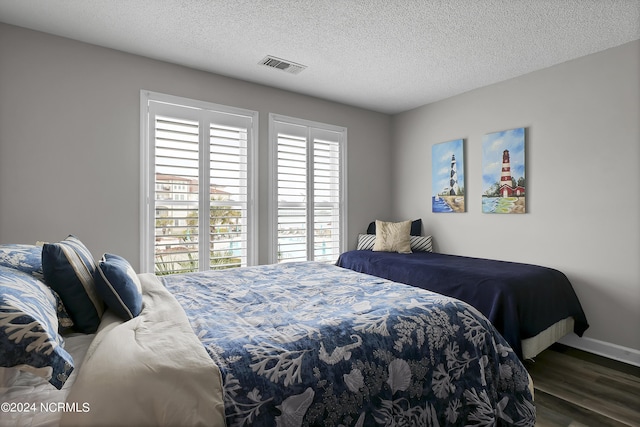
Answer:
(275, 345)
(531, 306)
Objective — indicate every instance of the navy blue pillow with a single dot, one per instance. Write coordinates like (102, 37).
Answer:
(119, 286)
(416, 228)
(68, 269)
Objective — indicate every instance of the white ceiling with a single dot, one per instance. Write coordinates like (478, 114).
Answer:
(383, 55)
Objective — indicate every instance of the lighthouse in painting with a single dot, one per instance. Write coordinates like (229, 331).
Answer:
(453, 181)
(507, 188)
(505, 179)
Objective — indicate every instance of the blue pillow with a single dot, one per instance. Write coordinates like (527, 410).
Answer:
(29, 338)
(68, 269)
(119, 286)
(27, 258)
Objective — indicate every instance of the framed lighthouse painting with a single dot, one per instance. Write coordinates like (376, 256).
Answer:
(447, 183)
(503, 167)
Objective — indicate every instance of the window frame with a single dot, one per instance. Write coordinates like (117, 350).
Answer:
(273, 181)
(147, 174)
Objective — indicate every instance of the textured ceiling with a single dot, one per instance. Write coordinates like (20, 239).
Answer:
(383, 55)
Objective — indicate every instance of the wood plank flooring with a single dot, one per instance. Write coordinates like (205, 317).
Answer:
(574, 388)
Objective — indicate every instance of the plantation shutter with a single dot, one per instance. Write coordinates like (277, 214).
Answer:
(228, 184)
(200, 188)
(177, 194)
(326, 195)
(292, 193)
(308, 187)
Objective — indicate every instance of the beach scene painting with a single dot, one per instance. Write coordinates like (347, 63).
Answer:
(503, 167)
(447, 183)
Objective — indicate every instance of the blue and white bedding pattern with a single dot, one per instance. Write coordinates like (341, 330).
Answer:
(315, 344)
(26, 258)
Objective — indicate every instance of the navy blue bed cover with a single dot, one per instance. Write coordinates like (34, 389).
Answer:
(521, 300)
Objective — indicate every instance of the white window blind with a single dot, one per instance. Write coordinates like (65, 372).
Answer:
(198, 183)
(308, 182)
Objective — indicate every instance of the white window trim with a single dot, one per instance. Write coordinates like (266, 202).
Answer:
(273, 177)
(147, 179)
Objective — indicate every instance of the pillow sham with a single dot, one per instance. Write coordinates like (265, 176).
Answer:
(118, 285)
(393, 237)
(29, 338)
(417, 243)
(26, 258)
(416, 227)
(68, 269)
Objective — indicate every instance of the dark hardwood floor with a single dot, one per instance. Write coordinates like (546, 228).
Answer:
(575, 388)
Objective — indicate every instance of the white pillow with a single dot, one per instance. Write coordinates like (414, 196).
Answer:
(393, 237)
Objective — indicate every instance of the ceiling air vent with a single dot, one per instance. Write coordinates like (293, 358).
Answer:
(282, 64)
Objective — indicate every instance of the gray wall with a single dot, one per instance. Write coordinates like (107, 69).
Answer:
(69, 162)
(583, 183)
(70, 140)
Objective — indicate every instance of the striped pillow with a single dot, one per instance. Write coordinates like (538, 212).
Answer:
(366, 242)
(418, 243)
(421, 244)
(68, 269)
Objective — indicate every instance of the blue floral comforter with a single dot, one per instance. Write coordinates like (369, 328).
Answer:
(307, 343)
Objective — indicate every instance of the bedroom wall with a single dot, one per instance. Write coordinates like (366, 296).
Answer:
(70, 140)
(583, 183)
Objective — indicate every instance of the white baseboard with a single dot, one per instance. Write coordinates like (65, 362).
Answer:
(602, 348)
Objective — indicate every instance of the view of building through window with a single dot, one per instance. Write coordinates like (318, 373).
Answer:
(199, 188)
(178, 219)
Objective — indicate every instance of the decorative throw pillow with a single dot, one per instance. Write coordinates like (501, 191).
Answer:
(421, 243)
(119, 286)
(393, 237)
(417, 243)
(366, 242)
(416, 228)
(68, 269)
(29, 338)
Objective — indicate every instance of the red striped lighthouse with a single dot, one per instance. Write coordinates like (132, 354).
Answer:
(507, 187)
(505, 178)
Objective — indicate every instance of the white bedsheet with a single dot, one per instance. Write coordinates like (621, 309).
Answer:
(36, 399)
(151, 370)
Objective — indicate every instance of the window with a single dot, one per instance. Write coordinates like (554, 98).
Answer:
(198, 183)
(308, 190)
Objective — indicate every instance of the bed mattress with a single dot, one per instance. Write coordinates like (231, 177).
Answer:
(521, 300)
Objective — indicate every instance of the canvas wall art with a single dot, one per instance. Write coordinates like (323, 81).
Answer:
(503, 172)
(447, 183)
